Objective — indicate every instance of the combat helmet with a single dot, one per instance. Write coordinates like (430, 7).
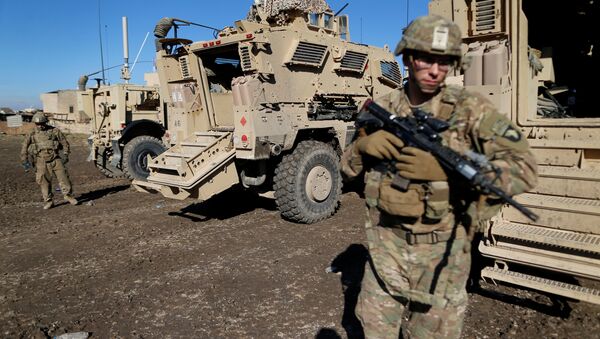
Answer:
(431, 34)
(39, 118)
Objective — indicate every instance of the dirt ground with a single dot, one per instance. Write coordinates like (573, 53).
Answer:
(125, 264)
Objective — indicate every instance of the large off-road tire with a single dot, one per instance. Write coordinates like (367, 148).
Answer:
(106, 168)
(135, 154)
(308, 183)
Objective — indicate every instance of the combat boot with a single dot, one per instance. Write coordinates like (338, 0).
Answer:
(48, 205)
(71, 200)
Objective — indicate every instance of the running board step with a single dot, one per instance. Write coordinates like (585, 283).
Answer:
(587, 266)
(565, 173)
(575, 214)
(541, 284)
(558, 203)
(547, 236)
(199, 167)
(568, 181)
(177, 155)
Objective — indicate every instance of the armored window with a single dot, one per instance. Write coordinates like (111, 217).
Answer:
(328, 21)
(353, 62)
(343, 27)
(313, 19)
(184, 66)
(390, 72)
(226, 61)
(308, 54)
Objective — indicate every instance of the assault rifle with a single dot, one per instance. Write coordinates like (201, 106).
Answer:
(422, 131)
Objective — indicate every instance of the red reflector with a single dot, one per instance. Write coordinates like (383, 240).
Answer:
(122, 125)
(218, 42)
(243, 121)
(244, 138)
(212, 43)
(205, 45)
(249, 36)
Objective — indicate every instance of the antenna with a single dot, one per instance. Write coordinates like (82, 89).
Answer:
(138, 53)
(407, 10)
(125, 75)
(361, 41)
(101, 50)
(341, 9)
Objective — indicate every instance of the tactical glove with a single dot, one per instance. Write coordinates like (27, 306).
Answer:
(381, 145)
(417, 164)
(26, 165)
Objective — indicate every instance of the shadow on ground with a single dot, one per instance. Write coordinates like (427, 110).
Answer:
(350, 264)
(95, 195)
(229, 204)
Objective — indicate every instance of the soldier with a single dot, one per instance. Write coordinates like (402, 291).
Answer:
(419, 239)
(42, 147)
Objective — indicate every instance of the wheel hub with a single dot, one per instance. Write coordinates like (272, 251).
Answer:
(143, 160)
(318, 184)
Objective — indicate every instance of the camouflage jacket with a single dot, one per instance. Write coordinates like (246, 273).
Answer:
(437, 206)
(44, 143)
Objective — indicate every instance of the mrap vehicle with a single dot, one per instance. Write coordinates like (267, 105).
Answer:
(268, 104)
(532, 61)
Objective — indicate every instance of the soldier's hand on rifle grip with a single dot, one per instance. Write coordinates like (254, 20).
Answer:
(417, 164)
(381, 145)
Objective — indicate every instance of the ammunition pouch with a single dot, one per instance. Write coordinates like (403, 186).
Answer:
(428, 201)
(437, 201)
(380, 193)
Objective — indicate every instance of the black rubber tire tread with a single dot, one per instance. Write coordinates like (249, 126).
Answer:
(109, 172)
(136, 148)
(290, 180)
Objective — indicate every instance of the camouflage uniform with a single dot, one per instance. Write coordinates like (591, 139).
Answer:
(43, 145)
(415, 282)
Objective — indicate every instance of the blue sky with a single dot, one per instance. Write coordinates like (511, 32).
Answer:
(48, 45)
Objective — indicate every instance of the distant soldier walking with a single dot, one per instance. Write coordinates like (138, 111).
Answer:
(419, 234)
(42, 147)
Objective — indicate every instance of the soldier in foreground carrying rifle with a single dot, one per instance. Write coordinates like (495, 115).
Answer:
(427, 194)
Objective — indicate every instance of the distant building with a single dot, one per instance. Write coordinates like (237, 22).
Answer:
(4, 112)
(68, 105)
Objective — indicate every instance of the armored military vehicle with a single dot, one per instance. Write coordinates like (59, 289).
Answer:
(531, 68)
(268, 103)
(128, 121)
(127, 127)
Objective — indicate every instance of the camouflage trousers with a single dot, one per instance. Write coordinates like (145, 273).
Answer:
(43, 176)
(413, 291)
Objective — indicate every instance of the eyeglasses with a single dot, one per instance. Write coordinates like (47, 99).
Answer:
(427, 61)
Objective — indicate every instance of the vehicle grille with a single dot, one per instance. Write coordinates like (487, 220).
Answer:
(309, 54)
(353, 61)
(485, 15)
(245, 58)
(185, 68)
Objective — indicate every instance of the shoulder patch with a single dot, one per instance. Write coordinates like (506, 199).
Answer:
(505, 129)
